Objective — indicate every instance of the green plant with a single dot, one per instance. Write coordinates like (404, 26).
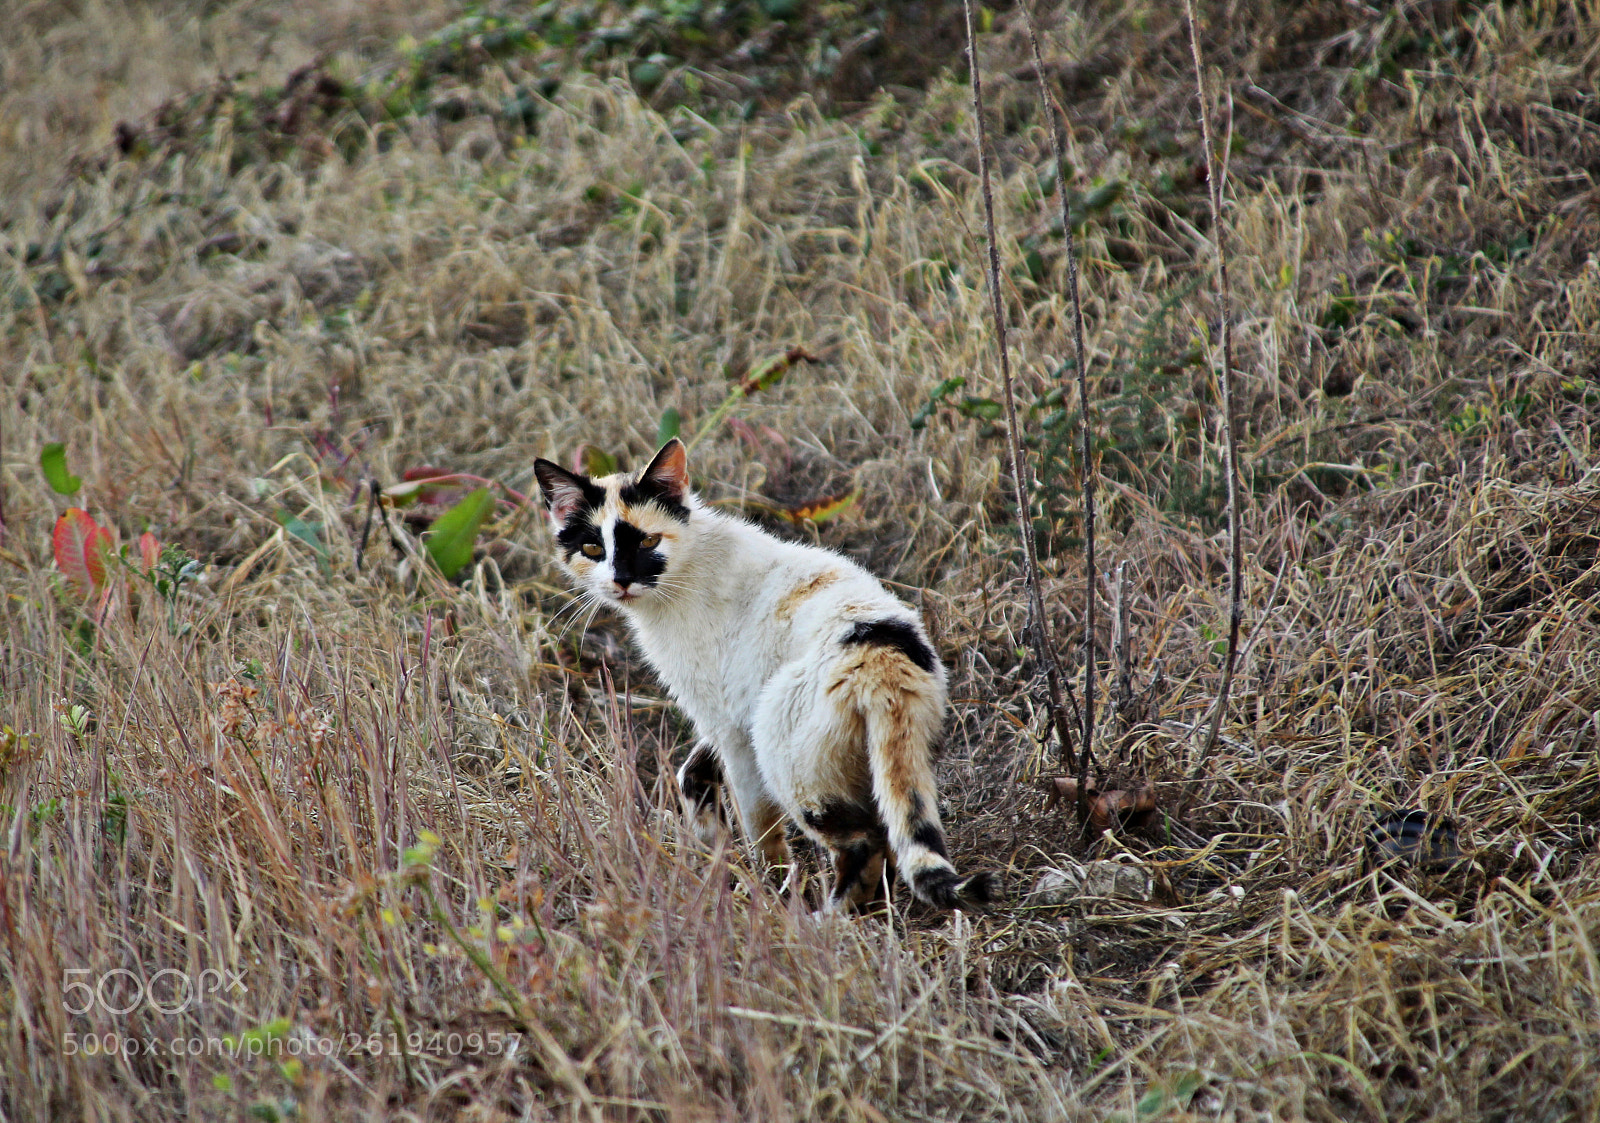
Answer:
(167, 575)
(1162, 1098)
(455, 532)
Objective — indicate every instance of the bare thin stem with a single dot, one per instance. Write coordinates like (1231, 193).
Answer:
(1214, 178)
(1090, 475)
(2, 483)
(1044, 650)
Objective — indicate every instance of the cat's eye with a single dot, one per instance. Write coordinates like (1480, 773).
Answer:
(593, 550)
(650, 542)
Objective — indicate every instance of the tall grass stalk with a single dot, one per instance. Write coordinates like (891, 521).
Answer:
(1044, 650)
(1216, 171)
(1090, 476)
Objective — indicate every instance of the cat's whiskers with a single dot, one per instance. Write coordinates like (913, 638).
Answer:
(671, 591)
(593, 612)
(578, 601)
(584, 599)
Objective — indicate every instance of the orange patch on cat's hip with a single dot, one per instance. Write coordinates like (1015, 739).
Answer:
(792, 600)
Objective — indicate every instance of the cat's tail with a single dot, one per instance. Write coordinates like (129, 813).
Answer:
(902, 704)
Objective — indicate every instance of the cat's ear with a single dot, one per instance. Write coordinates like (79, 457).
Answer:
(668, 473)
(564, 492)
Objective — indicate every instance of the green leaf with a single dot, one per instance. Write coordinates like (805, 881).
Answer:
(767, 374)
(53, 462)
(986, 408)
(1032, 266)
(671, 425)
(422, 853)
(1103, 196)
(946, 388)
(1188, 1084)
(308, 532)
(455, 531)
(593, 460)
(1152, 1103)
(262, 1035)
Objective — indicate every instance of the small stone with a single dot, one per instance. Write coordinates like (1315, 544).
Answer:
(1056, 887)
(1116, 879)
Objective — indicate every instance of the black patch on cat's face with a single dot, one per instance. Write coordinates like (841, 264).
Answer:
(897, 634)
(559, 485)
(580, 529)
(630, 563)
(648, 491)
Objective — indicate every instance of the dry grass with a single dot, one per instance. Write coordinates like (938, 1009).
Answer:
(395, 805)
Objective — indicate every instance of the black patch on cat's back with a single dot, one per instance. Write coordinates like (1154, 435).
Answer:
(898, 634)
(647, 491)
(629, 562)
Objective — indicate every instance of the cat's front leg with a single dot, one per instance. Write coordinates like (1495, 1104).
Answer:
(763, 819)
(700, 783)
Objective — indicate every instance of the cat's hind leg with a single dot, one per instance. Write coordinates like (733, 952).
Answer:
(859, 844)
(857, 871)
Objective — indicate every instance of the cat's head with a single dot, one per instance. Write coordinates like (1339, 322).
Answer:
(618, 535)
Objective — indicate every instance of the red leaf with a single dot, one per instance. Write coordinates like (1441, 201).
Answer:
(80, 547)
(742, 430)
(821, 510)
(429, 475)
(149, 550)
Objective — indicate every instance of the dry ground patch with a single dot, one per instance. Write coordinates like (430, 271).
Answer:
(392, 824)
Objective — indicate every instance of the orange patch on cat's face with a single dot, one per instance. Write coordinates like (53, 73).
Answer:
(650, 520)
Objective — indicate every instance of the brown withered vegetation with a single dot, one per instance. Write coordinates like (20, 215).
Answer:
(302, 839)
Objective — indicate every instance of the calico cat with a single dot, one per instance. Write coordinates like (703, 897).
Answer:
(815, 693)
